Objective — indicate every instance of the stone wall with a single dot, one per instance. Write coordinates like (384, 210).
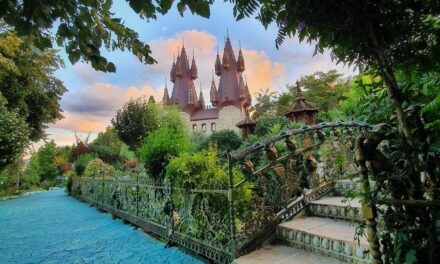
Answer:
(228, 117)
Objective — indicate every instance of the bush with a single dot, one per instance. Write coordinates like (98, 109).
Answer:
(225, 140)
(97, 168)
(160, 147)
(81, 163)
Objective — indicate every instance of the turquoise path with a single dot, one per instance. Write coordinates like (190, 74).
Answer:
(50, 227)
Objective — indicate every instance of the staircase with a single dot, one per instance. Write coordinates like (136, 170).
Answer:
(323, 234)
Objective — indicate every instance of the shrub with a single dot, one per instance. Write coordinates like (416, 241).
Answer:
(97, 168)
(81, 163)
(160, 147)
(225, 140)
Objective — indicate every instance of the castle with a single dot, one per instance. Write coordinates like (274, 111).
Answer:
(230, 102)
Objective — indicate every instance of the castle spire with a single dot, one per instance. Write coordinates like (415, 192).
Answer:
(218, 65)
(173, 70)
(194, 74)
(213, 94)
(240, 61)
(166, 96)
(178, 65)
(201, 98)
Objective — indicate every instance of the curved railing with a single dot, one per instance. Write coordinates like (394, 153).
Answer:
(211, 220)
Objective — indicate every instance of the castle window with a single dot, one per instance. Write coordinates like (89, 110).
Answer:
(213, 127)
(204, 127)
(194, 126)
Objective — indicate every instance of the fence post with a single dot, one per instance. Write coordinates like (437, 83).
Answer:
(137, 194)
(368, 208)
(231, 208)
(103, 186)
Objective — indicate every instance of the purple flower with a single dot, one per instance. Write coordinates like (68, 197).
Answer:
(301, 25)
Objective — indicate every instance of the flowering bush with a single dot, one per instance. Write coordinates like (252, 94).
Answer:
(97, 168)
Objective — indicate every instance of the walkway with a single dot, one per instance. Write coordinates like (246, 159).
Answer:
(51, 227)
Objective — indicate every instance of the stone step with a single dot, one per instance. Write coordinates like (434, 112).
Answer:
(281, 254)
(342, 187)
(336, 207)
(328, 237)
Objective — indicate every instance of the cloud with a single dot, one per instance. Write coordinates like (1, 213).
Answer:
(261, 73)
(86, 73)
(91, 108)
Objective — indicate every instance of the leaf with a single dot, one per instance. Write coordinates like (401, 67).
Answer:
(111, 67)
(411, 257)
(137, 5)
(435, 145)
(74, 56)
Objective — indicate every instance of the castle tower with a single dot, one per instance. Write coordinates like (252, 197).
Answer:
(166, 97)
(184, 93)
(230, 74)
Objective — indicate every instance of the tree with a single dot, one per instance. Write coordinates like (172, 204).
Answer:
(47, 169)
(383, 35)
(225, 140)
(135, 121)
(265, 103)
(85, 26)
(107, 146)
(28, 84)
(13, 135)
(324, 89)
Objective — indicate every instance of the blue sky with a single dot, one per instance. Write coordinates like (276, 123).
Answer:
(94, 97)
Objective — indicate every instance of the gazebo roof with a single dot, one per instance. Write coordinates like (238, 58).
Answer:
(247, 121)
(301, 104)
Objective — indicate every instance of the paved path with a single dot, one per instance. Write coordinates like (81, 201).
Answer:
(51, 227)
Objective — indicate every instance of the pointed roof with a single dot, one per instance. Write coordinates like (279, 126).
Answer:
(218, 64)
(240, 61)
(301, 104)
(166, 97)
(201, 99)
(228, 88)
(213, 94)
(194, 73)
(173, 71)
(184, 93)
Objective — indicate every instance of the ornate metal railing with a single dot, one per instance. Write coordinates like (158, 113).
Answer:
(182, 216)
(211, 220)
(290, 164)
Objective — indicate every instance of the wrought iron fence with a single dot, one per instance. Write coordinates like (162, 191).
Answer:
(211, 220)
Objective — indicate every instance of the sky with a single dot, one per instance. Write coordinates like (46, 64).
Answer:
(93, 97)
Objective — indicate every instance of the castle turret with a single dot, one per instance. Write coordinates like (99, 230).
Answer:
(166, 97)
(229, 84)
(218, 65)
(194, 73)
(184, 93)
(213, 94)
(201, 99)
(173, 71)
(240, 62)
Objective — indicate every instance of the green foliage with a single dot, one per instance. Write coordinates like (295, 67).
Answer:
(97, 168)
(81, 163)
(107, 146)
(264, 104)
(13, 135)
(135, 121)
(86, 26)
(198, 141)
(160, 146)
(324, 89)
(266, 123)
(28, 83)
(47, 168)
(224, 140)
